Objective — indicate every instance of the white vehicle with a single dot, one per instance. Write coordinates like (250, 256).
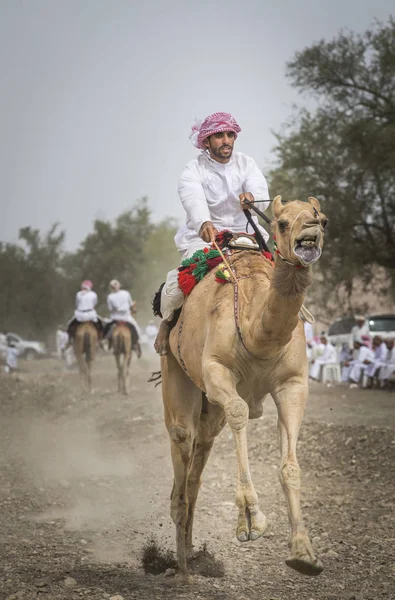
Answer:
(27, 349)
(340, 331)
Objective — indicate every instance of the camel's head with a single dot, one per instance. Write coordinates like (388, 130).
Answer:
(299, 230)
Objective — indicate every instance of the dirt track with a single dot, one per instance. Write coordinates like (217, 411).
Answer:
(85, 483)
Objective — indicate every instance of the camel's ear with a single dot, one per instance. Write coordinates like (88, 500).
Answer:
(277, 207)
(314, 202)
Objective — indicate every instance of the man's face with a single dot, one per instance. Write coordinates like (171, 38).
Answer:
(220, 145)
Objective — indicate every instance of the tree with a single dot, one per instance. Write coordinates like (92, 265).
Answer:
(343, 152)
(40, 280)
(33, 290)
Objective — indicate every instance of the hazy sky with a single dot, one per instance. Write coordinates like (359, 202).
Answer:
(98, 96)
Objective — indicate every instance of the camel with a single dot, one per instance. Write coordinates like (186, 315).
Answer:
(122, 344)
(85, 340)
(226, 356)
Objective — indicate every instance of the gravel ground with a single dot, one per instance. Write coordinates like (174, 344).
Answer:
(85, 484)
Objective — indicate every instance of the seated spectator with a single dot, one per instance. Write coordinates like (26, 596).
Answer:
(380, 354)
(328, 357)
(353, 369)
(388, 369)
(318, 348)
(345, 354)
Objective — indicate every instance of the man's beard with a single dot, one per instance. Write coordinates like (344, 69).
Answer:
(218, 152)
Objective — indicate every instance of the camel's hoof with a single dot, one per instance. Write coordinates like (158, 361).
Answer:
(254, 535)
(256, 528)
(243, 536)
(307, 567)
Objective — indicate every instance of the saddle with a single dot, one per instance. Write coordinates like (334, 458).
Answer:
(236, 241)
(192, 270)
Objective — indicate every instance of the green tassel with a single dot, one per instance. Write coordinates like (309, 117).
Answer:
(200, 270)
(212, 254)
(198, 256)
(220, 274)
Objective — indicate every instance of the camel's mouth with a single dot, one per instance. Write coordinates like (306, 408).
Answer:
(307, 251)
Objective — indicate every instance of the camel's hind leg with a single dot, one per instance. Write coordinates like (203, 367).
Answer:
(290, 401)
(221, 386)
(90, 357)
(125, 368)
(212, 420)
(183, 403)
(121, 360)
(80, 356)
(118, 362)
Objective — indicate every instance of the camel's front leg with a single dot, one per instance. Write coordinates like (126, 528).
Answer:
(220, 385)
(290, 401)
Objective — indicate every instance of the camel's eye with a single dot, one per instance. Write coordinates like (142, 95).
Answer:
(324, 223)
(282, 225)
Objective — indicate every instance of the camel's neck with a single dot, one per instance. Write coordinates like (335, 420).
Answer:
(286, 293)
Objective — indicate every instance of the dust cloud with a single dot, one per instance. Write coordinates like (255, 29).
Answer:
(86, 462)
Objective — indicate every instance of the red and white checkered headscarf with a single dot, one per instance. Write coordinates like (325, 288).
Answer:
(215, 123)
(87, 285)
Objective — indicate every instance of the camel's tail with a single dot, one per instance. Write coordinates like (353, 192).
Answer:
(86, 347)
(119, 345)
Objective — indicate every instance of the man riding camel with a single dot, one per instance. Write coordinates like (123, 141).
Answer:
(213, 189)
(85, 303)
(121, 306)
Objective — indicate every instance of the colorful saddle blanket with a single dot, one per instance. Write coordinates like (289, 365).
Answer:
(192, 270)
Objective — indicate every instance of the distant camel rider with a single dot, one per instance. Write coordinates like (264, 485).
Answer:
(213, 189)
(121, 305)
(85, 303)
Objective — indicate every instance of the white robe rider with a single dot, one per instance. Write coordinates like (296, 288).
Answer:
(85, 302)
(119, 304)
(209, 191)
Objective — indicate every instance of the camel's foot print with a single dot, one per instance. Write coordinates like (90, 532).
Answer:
(305, 565)
(251, 525)
(204, 563)
(178, 580)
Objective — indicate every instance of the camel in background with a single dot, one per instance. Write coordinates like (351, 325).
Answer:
(226, 356)
(85, 340)
(122, 345)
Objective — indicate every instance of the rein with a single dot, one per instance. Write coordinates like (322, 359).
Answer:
(235, 281)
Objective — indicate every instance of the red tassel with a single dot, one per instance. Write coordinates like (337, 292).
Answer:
(220, 280)
(213, 262)
(186, 282)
